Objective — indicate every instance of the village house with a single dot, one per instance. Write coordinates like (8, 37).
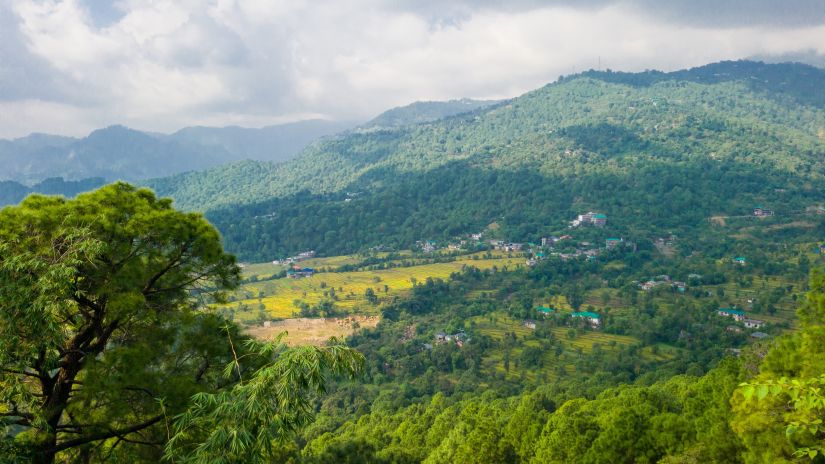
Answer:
(649, 285)
(753, 323)
(590, 218)
(759, 335)
(530, 324)
(549, 241)
(822, 249)
(680, 286)
(476, 237)
(502, 246)
(298, 273)
(545, 311)
(762, 212)
(612, 243)
(736, 314)
(594, 319)
(532, 262)
(740, 261)
(428, 247)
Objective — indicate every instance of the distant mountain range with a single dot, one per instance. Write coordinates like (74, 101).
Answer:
(12, 192)
(119, 152)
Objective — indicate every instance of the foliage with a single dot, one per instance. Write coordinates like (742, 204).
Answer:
(240, 424)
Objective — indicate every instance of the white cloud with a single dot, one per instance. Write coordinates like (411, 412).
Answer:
(161, 65)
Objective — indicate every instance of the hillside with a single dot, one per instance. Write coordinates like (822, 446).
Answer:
(118, 152)
(653, 150)
(427, 111)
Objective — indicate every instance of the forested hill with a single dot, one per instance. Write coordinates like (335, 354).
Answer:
(425, 111)
(653, 148)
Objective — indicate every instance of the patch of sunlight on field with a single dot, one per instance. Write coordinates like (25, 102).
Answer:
(278, 296)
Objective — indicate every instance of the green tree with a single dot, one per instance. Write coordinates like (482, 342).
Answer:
(101, 339)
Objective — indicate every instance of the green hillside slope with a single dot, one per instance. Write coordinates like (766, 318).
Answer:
(650, 148)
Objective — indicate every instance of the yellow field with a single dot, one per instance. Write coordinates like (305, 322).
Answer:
(278, 295)
(316, 331)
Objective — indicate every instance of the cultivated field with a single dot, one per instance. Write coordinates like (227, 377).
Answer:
(315, 331)
(276, 298)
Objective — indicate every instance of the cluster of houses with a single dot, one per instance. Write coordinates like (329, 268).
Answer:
(594, 320)
(297, 258)
(501, 245)
(739, 315)
(663, 279)
(588, 219)
(459, 338)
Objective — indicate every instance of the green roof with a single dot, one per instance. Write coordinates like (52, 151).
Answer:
(739, 259)
(589, 314)
(544, 309)
(599, 216)
(613, 239)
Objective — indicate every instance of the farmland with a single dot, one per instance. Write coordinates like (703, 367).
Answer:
(312, 331)
(276, 298)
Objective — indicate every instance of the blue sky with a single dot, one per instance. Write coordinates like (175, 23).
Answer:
(68, 67)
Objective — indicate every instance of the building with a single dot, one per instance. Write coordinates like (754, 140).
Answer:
(759, 335)
(545, 311)
(428, 247)
(736, 314)
(822, 249)
(680, 286)
(476, 237)
(530, 324)
(740, 261)
(590, 218)
(611, 243)
(762, 212)
(594, 319)
(649, 285)
(298, 273)
(753, 323)
(549, 241)
(532, 262)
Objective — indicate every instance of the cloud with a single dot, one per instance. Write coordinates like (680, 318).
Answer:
(71, 66)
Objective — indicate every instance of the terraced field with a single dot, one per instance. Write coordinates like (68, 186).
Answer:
(497, 325)
(276, 297)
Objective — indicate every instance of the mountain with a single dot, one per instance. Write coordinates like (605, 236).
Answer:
(272, 143)
(13, 192)
(654, 150)
(426, 111)
(118, 152)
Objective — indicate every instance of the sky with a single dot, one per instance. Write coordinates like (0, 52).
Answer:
(69, 67)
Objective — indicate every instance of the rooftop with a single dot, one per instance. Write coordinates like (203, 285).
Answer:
(589, 314)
